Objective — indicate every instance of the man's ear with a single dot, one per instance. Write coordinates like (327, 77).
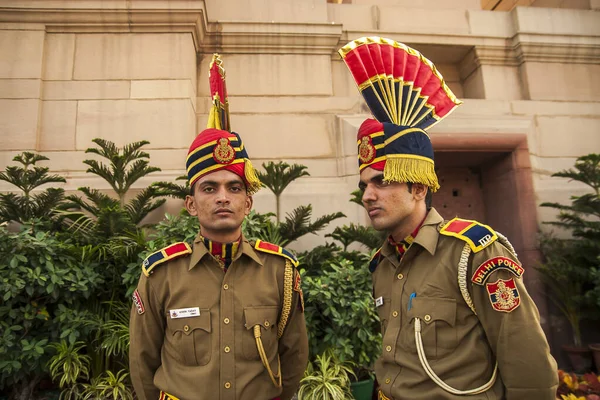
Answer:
(248, 205)
(419, 191)
(190, 206)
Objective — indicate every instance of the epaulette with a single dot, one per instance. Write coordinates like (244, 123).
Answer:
(168, 253)
(374, 261)
(477, 235)
(271, 248)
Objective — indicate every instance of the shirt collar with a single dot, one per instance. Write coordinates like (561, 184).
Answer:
(430, 231)
(427, 236)
(200, 251)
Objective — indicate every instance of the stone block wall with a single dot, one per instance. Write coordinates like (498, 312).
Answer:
(71, 71)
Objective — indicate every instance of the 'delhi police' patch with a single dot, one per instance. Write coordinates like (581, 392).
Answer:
(504, 295)
(483, 272)
(374, 261)
(168, 253)
(271, 248)
(477, 235)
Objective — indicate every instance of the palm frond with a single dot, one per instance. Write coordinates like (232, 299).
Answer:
(278, 176)
(364, 235)
(102, 171)
(48, 200)
(356, 197)
(298, 223)
(137, 170)
(143, 203)
(172, 189)
(12, 207)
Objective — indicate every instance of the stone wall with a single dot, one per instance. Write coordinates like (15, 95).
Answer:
(71, 71)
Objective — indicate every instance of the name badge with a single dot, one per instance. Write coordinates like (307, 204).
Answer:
(185, 312)
(379, 302)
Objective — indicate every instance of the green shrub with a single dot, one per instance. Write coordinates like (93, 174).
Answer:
(43, 283)
(340, 312)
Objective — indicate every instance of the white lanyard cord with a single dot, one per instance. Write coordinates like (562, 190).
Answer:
(436, 379)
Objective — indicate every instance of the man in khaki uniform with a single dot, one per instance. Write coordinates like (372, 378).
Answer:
(456, 319)
(221, 318)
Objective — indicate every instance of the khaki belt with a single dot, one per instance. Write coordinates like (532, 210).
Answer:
(166, 396)
(382, 396)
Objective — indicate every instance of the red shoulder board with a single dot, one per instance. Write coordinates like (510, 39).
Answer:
(271, 248)
(476, 234)
(168, 253)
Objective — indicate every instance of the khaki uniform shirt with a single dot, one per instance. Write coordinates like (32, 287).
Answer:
(214, 355)
(461, 347)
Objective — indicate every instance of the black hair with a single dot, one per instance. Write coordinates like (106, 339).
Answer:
(428, 196)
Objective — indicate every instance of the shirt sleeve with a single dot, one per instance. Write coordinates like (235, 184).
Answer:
(293, 348)
(511, 322)
(146, 331)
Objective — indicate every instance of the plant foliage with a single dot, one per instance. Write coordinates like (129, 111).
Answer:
(571, 265)
(28, 177)
(44, 282)
(327, 378)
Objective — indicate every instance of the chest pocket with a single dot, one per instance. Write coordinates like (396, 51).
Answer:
(189, 339)
(383, 311)
(266, 318)
(438, 317)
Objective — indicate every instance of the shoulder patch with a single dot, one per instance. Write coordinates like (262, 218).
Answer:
(374, 261)
(477, 235)
(271, 248)
(168, 253)
(483, 272)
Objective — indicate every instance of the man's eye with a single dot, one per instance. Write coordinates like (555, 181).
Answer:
(236, 189)
(383, 183)
(208, 190)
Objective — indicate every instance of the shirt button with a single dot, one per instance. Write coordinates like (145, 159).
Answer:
(388, 380)
(227, 385)
(226, 320)
(400, 276)
(225, 286)
(186, 328)
(427, 317)
(227, 349)
(395, 313)
(388, 348)
(267, 324)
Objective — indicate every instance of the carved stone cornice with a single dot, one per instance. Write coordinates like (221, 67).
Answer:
(277, 38)
(226, 37)
(93, 20)
(527, 47)
(530, 47)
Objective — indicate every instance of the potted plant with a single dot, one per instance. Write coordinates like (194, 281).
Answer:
(570, 264)
(327, 378)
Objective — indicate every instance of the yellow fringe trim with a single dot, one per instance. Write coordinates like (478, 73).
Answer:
(254, 184)
(416, 170)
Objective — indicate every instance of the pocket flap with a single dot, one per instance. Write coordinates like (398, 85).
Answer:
(265, 316)
(190, 324)
(430, 309)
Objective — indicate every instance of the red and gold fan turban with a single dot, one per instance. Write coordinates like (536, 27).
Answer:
(406, 95)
